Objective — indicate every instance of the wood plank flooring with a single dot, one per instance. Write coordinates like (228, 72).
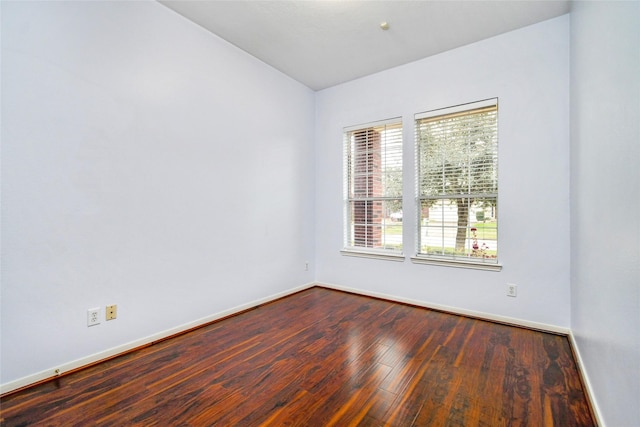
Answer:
(324, 358)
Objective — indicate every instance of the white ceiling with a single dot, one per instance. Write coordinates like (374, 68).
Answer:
(323, 43)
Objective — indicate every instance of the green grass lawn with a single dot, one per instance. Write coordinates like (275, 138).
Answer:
(393, 229)
(486, 230)
(450, 251)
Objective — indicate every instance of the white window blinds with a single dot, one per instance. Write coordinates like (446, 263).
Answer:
(457, 182)
(373, 187)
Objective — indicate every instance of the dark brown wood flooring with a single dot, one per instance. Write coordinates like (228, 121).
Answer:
(321, 358)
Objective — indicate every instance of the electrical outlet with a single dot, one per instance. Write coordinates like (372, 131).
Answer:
(306, 266)
(512, 290)
(111, 312)
(93, 316)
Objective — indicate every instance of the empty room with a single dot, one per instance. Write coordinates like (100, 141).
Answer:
(313, 213)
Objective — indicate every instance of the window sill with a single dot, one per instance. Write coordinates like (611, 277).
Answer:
(456, 263)
(394, 256)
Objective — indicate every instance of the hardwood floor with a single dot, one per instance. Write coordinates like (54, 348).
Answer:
(322, 358)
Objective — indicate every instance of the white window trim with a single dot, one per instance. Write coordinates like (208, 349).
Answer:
(364, 252)
(460, 262)
(457, 109)
(383, 254)
(392, 121)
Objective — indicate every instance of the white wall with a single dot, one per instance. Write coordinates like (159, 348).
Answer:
(605, 202)
(528, 70)
(146, 163)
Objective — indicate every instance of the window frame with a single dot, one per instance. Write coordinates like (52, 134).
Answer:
(465, 260)
(350, 199)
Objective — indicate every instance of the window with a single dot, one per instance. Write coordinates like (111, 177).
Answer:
(373, 190)
(457, 185)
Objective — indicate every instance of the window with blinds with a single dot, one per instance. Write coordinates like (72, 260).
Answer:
(373, 187)
(457, 183)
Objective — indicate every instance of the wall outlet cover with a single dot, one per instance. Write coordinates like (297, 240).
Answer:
(93, 316)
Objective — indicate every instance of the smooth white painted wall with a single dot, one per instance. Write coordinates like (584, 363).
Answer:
(146, 163)
(605, 202)
(528, 70)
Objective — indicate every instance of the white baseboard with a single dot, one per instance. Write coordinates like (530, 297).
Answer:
(585, 381)
(109, 353)
(455, 310)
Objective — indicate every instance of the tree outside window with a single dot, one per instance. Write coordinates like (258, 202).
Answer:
(458, 182)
